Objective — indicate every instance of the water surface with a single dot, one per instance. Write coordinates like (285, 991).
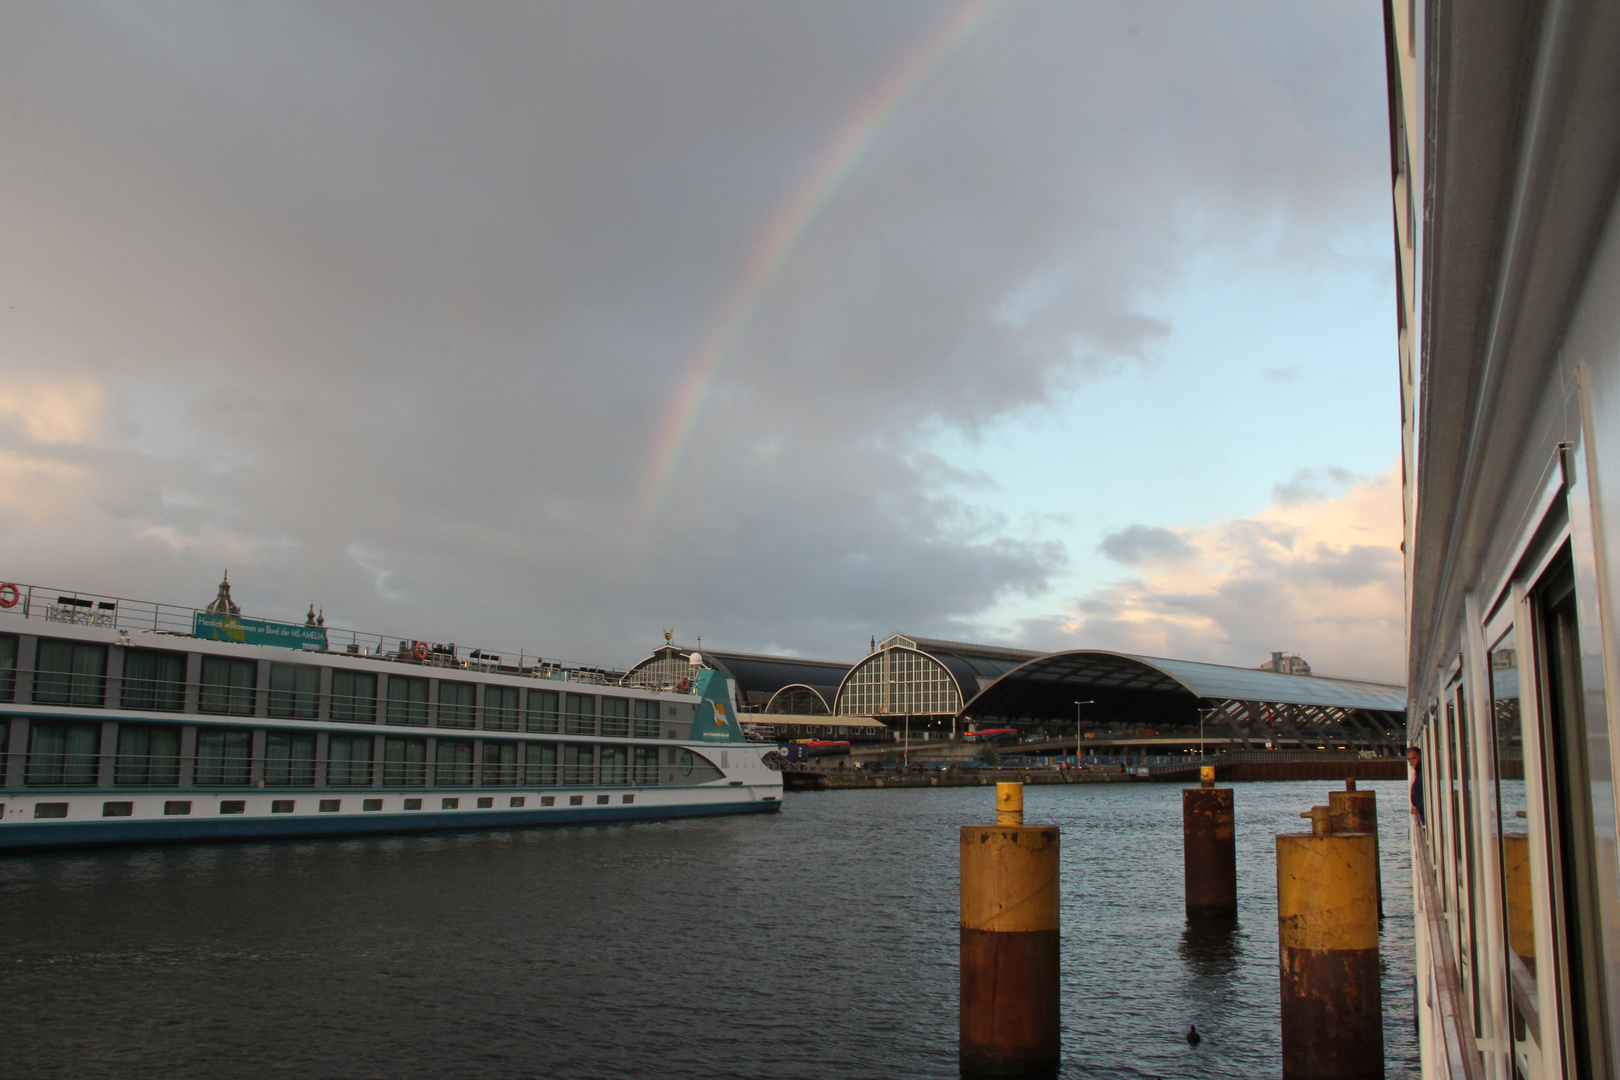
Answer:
(818, 942)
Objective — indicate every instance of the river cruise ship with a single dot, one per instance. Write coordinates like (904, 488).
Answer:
(133, 722)
(1505, 123)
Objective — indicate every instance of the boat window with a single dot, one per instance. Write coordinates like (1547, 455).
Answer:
(370, 805)
(227, 686)
(1513, 837)
(233, 806)
(283, 806)
(540, 764)
(646, 717)
(613, 761)
(500, 763)
(348, 761)
(486, 802)
(405, 763)
(456, 703)
(69, 673)
(1568, 782)
(223, 757)
(154, 680)
(616, 717)
(62, 755)
(413, 804)
(289, 759)
(148, 756)
(407, 700)
(501, 708)
(579, 763)
(330, 806)
(354, 697)
(295, 691)
(8, 666)
(177, 807)
(542, 713)
(453, 763)
(646, 765)
(51, 810)
(579, 714)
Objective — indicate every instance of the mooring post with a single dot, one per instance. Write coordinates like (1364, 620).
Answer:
(1009, 944)
(1357, 811)
(1327, 931)
(1209, 848)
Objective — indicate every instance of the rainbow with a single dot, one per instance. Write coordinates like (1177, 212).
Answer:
(776, 244)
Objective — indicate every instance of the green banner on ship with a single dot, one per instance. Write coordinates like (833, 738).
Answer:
(258, 632)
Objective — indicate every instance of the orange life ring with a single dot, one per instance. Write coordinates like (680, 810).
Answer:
(419, 651)
(684, 684)
(9, 594)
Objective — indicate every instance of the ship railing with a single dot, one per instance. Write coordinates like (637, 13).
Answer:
(96, 770)
(78, 608)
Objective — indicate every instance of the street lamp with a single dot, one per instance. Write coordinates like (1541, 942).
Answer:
(1079, 738)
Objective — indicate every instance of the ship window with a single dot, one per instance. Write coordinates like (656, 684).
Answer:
(548, 800)
(117, 809)
(613, 765)
(370, 805)
(413, 804)
(542, 712)
(354, 697)
(289, 759)
(331, 806)
(1512, 826)
(501, 707)
(148, 756)
(573, 800)
(578, 763)
(233, 806)
(223, 757)
(579, 714)
(602, 800)
(407, 700)
(50, 809)
(405, 763)
(627, 798)
(540, 764)
(348, 761)
(500, 763)
(282, 806)
(227, 686)
(456, 704)
(646, 716)
(486, 802)
(154, 680)
(69, 673)
(616, 717)
(516, 800)
(62, 755)
(177, 807)
(646, 765)
(449, 804)
(453, 762)
(295, 691)
(8, 667)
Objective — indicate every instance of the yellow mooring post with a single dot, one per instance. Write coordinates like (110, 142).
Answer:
(1357, 811)
(1009, 945)
(1208, 848)
(1327, 930)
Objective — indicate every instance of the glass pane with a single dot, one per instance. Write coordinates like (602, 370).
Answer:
(456, 704)
(354, 697)
(8, 667)
(147, 756)
(578, 763)
(500, 763)
(540, 764)
(295, 691)
(223, 757)
(405, 762)
(542, 710)
(453, 763)
(616, 717)
(62, 754)
(579, 714)
(407, 700)
(289, 759)
(349, 761)
(227, 686)
(69, 673)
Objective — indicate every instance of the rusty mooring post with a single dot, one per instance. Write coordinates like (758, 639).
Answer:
(1357, 811)
(1009, 944)
(1209, 848)
(1327, 931)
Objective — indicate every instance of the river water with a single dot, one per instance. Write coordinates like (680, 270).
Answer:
(818, 942)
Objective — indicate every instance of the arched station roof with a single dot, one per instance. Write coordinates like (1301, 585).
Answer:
(758, 677)
(1152, 690)
(802, 699)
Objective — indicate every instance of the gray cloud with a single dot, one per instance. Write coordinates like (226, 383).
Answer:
(1138, 544)
(384, 306)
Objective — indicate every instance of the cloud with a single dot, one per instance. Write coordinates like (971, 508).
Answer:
(1321, 577)
(386, 306)
(1135, 545)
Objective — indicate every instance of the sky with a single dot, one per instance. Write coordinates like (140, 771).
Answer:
(785, 325)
